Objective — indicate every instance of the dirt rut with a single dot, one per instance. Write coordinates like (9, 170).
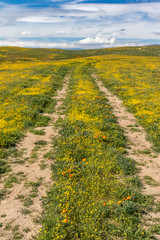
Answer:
(20, 211)
(140, 149)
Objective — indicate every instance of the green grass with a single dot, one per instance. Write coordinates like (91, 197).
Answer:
(8, 226)
(27, 202)
(34, 185)
(132, 129)
(41, 143)
(145, 151)
(3, 166)
(150, 181)
(43, 165)
(157, 206)
(25, 211)
(38, 132)
(14, 54)
(9, 182)
(26, 230)
(3, 194)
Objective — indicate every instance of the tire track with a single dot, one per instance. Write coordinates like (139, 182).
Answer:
(21, 209)
(139, 148)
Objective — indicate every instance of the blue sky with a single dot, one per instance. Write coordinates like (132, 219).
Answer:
(79, 24)
(48, 2)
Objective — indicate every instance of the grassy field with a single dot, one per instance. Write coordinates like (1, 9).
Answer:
(136, 80)
(96, 193)
(14, 54)
(26, 89)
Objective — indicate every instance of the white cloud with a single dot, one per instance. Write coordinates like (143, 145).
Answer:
(32, 19)
(24, 33)
(62, 32)
(32, 44)
(72, 45)
(97, 40)
(151, 9)
(97, 24)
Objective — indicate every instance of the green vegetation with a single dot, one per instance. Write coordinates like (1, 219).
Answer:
(38, 132)
(14, 54)
(136, 81)
(96, 193)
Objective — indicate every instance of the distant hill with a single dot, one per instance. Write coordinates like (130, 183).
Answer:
(27, 54)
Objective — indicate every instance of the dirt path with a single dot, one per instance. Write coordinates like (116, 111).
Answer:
(140, 149)
(28, 180)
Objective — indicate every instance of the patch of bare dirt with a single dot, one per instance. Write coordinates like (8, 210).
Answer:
(21, 209)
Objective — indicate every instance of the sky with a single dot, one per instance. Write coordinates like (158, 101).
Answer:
(79, 24)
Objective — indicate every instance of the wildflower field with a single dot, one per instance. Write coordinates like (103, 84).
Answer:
(96, 192)
(136, 80)
(26, 90)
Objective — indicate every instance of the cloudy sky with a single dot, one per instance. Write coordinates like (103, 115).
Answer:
(79, 24)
